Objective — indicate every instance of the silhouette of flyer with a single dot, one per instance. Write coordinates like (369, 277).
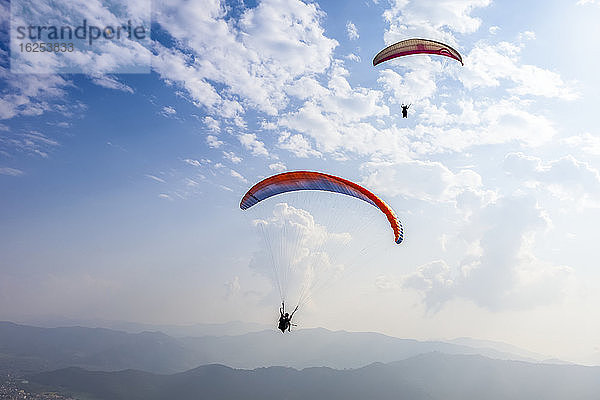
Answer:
(80, 36)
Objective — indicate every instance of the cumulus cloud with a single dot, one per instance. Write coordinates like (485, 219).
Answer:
(213, 142)
(168, 111)
(487, 65)
(296, 144)
(277, 167)
(270, 46)
(333, 116)
(250, 142)
(424, 180)
(566, 177)
(502, 272)
(238, 176)
(351, 31)
(415, 85)
(192, 162)
(479, 123)
(212, 123)
(353, 57)
(586, 142)
(432, 19)
(435, 281)
(231, 156)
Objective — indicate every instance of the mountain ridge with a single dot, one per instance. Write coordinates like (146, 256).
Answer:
(430, 376)
(34, 349)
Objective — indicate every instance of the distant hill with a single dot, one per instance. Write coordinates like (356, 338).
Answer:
(32, 349)
(320, 347)
(499, 346)
(202, 329)
(429, 376)
(26, 349)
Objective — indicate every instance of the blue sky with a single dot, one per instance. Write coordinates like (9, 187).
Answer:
(120, 192)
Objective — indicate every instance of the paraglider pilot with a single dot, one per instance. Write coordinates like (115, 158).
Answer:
(285, 319)
(405, 110)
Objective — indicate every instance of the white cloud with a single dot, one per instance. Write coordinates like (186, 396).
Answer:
(435, 280)
(10, 171)
(333, 117)
(431, 19)
(527, 35)
(238, 176)
(190, 182)
(479, 123)
(212, 124)
(250, 142)
(174, 66)
(488, 65)
(31, 143)
(231, 156)
(30, 94)
(413, 86)
(168, 111)
(535, 81)
(566, 177)
(424, 180)
(155, 178)
(306, 88)
(232, 287)
(111, 82)
(213, 142)
(387, 283)
(353, 57)
(508, 120)
(297, 144)
(277, 167)
(585, 142)
(270, 46)
(351, 31)
(502, 273)
(192, 162)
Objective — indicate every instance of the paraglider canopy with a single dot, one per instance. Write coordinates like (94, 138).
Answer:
(416, 46)
(308, 180)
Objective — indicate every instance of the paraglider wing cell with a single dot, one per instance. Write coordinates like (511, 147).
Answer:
(416, 46)
(307, 180)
